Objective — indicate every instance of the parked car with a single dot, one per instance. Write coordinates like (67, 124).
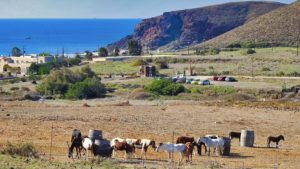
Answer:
(215, 78)
(230, 79)
(222, 78)
(189, 81)
(174, 79)
(181, 80)
(204, 82)
(196, 81)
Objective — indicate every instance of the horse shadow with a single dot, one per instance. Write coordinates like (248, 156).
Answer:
(237, 155)
(265, 147)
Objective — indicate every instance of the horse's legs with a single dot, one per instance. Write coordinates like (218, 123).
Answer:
(277, 144)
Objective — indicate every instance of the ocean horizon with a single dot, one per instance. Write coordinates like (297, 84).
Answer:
(55, 35)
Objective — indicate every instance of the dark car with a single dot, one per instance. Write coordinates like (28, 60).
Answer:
(215, 78)
(230, 79)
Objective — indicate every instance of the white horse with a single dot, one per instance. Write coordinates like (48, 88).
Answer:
(169, 148)
(216, 143)
(87, 144)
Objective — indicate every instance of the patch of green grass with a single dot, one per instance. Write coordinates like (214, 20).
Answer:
(105, 68)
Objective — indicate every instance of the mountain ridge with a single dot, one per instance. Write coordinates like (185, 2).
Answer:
(178, 29)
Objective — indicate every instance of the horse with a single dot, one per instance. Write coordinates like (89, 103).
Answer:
(217, 143)
(122, 146)
(144, 144)
(233, 135)
(169, 148)
(76, 142)
(184, 140)
(274, 139)
(189, 151)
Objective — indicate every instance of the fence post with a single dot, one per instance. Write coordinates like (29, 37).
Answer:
(51, 141)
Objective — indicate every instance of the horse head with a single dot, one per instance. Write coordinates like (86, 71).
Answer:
(152, 144)
(158, 147)
(281, 137)
(70, 151)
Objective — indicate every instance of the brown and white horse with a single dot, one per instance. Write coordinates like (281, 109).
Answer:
(274, 139)
(144, 145)
(122, 146)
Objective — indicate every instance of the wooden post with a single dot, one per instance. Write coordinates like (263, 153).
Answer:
(51, 141)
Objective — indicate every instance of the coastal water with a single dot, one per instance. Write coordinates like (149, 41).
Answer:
(54, 35)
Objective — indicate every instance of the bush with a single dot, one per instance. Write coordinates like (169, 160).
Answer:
(24, 150)
(248, 52)
(194, 91)
(265, 69)
(14, 88)
(165, 87)
(15, 80)
(23, 79)
(294, 74)
(214, 51)
(162, 63)
(26, 89)
(138, 62)
(88, 89)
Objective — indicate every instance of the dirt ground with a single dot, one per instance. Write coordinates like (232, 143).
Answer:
(32, 122)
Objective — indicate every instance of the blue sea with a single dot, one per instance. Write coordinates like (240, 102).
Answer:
(54, 35)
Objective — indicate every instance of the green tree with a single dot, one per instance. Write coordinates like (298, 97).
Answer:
(134, 48)
(88, 55)
(88, 89)
(102, 52)
(16, 52)
(116, 51)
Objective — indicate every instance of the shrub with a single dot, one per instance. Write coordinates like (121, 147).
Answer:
(194, 90)
(265, 69)
(225, 72)
(15, 80)
(88, 89)
(214, 51)
(24, 150)
(138, 62)
(248, 52)
(281, 73)
(25, 89)
(294, 74)
(165, 87)
(162, 63)
(14, 88)
(23, 79)
(57, 82)
(173, 89)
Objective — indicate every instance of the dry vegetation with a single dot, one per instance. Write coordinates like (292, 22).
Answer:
(31, 122)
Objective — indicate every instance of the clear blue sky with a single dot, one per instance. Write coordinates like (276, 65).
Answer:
(98, 8)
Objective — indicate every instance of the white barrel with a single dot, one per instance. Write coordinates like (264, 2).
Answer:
(247, 138)
(95, 134)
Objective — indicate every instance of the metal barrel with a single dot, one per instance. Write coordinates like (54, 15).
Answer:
(227, 146)
(95, 135)
(247, 138)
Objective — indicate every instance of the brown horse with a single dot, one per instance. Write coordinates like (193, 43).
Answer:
(275, 140)
(233, 135)
(184, 140)
(189, 151)
(76, 143)
(123, 146)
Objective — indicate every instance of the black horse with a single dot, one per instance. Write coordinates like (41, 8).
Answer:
(233, 135)
(274, 139)
(76, 142)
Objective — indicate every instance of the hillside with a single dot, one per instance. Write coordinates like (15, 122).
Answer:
(281, 27)
(177, 29)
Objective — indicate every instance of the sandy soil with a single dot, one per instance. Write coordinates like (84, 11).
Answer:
(32, 122)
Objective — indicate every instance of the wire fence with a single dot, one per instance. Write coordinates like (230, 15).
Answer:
(211, 161)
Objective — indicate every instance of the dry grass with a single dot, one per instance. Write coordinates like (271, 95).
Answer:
(32, 122)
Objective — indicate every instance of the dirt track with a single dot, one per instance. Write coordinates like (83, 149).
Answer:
(31, 122)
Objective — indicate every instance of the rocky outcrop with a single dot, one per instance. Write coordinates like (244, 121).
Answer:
(175, 30)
